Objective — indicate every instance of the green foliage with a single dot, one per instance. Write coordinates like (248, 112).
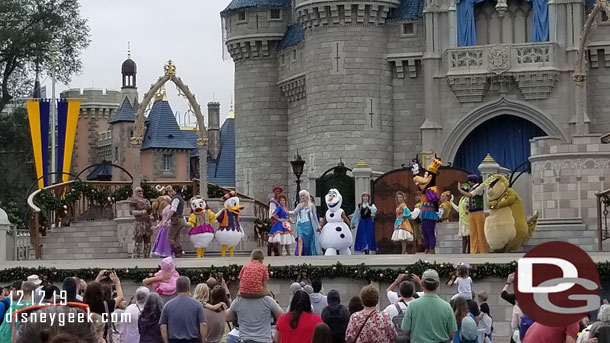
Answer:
(30, 30)
(606, 200)
(263, 223)
(362, 272)
(344, 184)
(16, 164)
(214, 191)
(48, 201)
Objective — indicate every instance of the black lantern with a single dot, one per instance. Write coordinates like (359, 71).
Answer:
(297, 169)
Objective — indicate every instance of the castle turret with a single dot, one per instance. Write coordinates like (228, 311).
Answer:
(347, 83)
(129, 88)
(214, 129)
(253, 30)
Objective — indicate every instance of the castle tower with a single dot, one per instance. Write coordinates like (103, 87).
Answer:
(252, 31)
(345, 56)
(129, 88)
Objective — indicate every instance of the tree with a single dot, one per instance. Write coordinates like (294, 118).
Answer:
(38, 34)
(16, 164)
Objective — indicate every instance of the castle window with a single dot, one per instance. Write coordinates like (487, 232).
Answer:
(408, 29)
(167, 163)
(604, 17)
(283, 59)
(241, 16)
(275, 14)
(294, 55)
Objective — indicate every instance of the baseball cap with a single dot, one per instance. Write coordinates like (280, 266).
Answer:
(430, 274)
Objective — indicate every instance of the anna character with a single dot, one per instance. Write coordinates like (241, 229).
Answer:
(281, 232)
(363, 219)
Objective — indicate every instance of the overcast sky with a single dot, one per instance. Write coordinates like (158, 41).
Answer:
(186, 31)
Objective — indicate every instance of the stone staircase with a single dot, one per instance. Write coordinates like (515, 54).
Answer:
(568, 230)
(572, 231)
(83, 240)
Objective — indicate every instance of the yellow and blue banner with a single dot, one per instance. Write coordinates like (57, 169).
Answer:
(38, 115)
(67, 120)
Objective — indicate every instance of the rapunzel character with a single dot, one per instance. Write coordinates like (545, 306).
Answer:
(229, 230)
(161, 247)
(403, 232)
(280, 233)
(363, 220)
(202, 231)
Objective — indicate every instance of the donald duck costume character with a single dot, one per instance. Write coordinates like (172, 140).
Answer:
(202, 232)
(229, 230)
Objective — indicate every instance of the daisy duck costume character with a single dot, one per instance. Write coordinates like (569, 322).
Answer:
(425, 179)
(229, 229)
(202, 231)
(336, 237)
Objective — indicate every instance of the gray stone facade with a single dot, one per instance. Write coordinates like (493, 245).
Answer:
(363, 85)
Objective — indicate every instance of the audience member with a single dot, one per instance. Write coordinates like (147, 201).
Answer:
(164, 281)
(322, 333)
(19, 300)
(129, 329)
(355, 305)
(297, 326)
(370, 325)
(318, 300)
(71, 288)
(253, 276)
(429, 318)
(182, 318)
(44, 329)
(216, 317)
(601, 328)
(538, 333)
(485, 326)
(336, 316)
(406, 291)
(148, 323)
(394, 296)
(49, 294)
(98, 326)
(464, 334)
(254, 317)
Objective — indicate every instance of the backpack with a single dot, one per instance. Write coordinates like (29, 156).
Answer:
(7, 305)
(524, 325)
(468, 330)
(397, 320)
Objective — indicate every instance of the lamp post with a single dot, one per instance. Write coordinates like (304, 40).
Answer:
(297, 169)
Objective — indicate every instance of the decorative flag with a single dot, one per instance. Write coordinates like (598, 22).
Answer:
(67, 119)
(38, 115)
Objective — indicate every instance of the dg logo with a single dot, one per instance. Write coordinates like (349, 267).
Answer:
(557, 283)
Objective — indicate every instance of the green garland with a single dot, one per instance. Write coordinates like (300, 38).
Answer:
(48, 201)
(295, 272)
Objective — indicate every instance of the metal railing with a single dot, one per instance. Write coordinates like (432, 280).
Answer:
(22, 247)
(603, 205)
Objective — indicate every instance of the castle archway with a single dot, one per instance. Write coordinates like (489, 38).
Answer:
(512, 116)
(140, 125)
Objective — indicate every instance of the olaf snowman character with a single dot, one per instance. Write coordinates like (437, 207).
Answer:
(336, 236)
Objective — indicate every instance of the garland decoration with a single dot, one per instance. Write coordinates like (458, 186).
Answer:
(47, 200)
(294, 272)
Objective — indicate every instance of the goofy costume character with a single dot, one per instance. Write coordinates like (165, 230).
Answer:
(429, 201)
(229, 230)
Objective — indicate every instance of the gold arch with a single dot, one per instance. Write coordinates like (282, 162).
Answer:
(580, 75)
(140, 125)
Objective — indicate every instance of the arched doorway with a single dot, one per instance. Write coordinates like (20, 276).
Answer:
(504, 137)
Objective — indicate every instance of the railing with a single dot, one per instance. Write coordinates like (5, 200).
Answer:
(603, 203)
(21, 243)
(88, 208)
(500, 58)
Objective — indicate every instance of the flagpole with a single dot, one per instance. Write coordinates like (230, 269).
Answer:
(53, 120)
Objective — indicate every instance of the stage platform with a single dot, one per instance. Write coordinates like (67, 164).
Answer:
(386, 261)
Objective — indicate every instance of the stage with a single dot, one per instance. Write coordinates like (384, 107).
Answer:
(385, 261)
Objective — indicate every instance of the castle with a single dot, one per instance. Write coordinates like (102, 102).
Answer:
(383, 80)
(168, 153)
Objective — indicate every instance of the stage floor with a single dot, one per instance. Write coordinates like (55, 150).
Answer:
(370, 260)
